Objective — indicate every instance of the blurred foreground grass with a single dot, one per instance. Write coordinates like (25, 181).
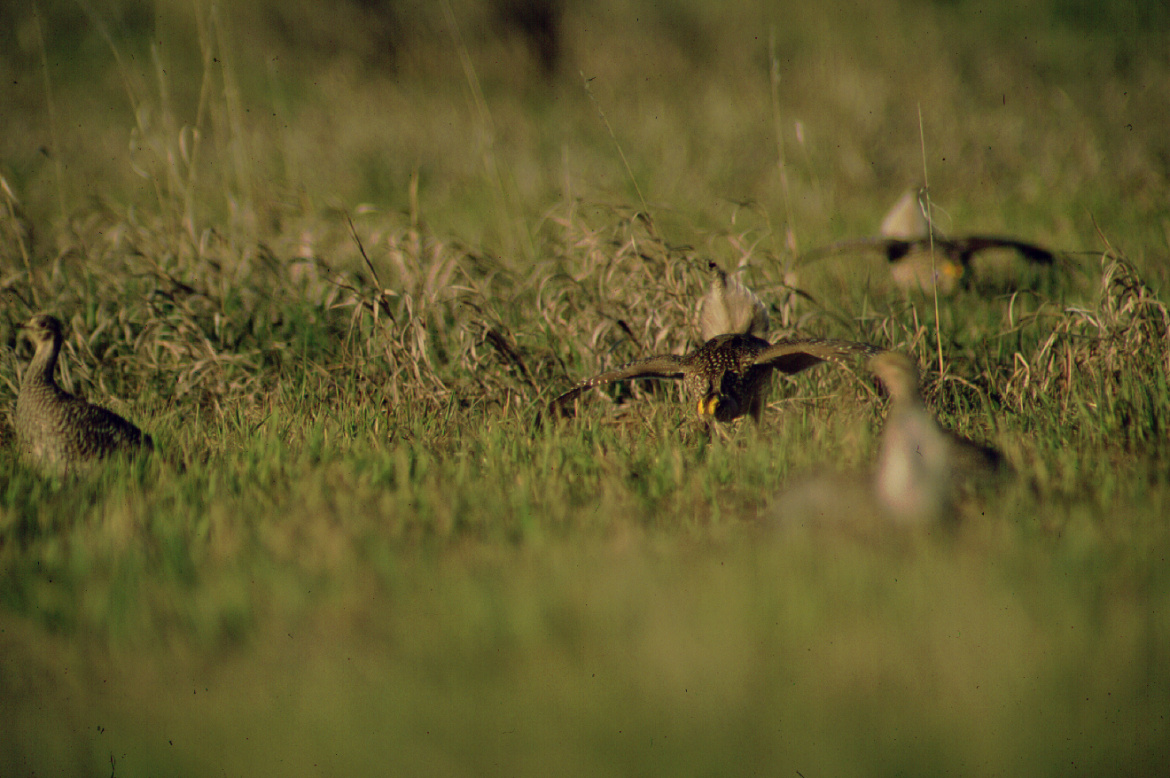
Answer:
(361, 553)
(996, 652)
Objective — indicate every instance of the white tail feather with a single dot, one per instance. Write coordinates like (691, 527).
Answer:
(730, 307)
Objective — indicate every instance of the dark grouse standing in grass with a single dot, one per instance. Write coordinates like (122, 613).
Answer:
(730, 374)
(54, 427)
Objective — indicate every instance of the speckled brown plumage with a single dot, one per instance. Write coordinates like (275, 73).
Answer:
(730, 374)
(57, 429)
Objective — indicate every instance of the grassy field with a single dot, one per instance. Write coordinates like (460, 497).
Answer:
(336, 264)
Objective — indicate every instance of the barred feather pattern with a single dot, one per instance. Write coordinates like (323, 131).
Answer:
(728, 376)
(57, 429)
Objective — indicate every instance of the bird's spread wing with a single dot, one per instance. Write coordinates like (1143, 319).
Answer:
(965, 247)
(958, 248)
(793, 356)
(661, 366)
(893, 248)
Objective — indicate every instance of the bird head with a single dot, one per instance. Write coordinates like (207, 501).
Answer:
(898, 372)
(43, 328)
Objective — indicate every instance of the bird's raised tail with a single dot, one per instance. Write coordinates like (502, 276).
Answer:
(729, 307)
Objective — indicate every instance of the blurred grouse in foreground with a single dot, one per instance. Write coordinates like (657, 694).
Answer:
(921, 473)
(921, 465)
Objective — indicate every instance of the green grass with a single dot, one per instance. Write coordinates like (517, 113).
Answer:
(362, 549)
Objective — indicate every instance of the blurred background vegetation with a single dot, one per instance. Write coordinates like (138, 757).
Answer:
(302, 106)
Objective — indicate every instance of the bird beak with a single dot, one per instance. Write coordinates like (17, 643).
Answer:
(952, 270)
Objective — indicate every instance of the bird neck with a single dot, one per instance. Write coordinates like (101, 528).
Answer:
(905, 397)
(44, 362)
